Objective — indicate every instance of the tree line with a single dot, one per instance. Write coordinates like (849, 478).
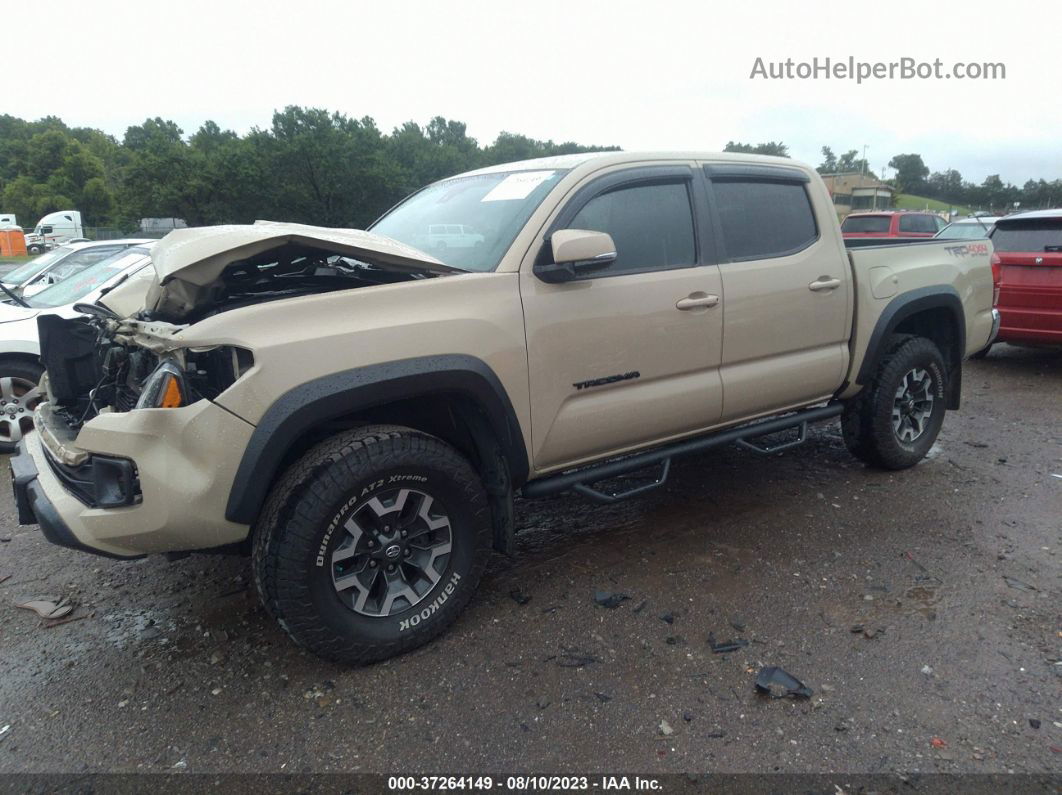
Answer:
(310, 165)
(913, 176)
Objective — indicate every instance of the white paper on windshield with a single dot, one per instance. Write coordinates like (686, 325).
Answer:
(517, 186)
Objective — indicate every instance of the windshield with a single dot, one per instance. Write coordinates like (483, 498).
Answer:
(469, 222)
(91, 278)
(864, 224)
(31, 268)
(1041, 234)
(965, 231)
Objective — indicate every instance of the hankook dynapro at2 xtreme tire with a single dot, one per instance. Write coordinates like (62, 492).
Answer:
(372, 543)
(894, 421)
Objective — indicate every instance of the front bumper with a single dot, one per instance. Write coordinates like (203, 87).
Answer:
(185, 461)
(34, 507)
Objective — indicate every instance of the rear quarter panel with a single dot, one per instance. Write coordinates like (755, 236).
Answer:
(884, 273)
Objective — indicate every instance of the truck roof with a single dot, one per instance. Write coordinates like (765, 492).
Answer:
(618, 158)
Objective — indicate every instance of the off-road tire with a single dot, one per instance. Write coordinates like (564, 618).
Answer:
(301, 527)
(867, 421)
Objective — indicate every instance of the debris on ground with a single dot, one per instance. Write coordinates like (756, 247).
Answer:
(936, 742)
(5, 578)
(668, 618)
(609, 599)
(640, 606)
(4, 730)
(47, 608)
(726, 646)
(738, 623)
(519, 596)
(573, 658)
(927, 670)
(777, 683)
(1014, 582)
(665, 728)
(1035, 723)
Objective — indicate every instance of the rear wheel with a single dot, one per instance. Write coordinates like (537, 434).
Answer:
(894, 421)
(372, 543)
(19, 395)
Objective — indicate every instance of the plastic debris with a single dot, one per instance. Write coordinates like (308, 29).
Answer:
(777, 683)
(665, 728)
(726, 646)
(936, 742)
(46, 608)
(609, 599)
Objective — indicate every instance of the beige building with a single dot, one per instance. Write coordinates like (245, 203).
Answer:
(856, 192)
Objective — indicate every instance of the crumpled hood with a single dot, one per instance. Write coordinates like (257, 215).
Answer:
(199, 255)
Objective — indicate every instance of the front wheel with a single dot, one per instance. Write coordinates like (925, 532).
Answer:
(894, 421)
(372, 543)
(19, 396)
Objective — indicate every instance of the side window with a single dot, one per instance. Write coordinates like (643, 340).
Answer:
(762, 219)
(918, 223)
(651, 225)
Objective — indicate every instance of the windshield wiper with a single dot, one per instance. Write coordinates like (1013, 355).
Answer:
(106, 290)
(12, 296)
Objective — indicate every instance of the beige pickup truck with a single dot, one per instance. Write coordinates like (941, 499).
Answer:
(359, 409)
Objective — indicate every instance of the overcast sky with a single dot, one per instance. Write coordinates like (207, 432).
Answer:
(642, 75)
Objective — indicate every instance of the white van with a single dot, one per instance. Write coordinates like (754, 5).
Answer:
(53, 230)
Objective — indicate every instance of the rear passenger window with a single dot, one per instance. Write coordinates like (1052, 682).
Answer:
(918, 223)
(651, 225)
(762, 219)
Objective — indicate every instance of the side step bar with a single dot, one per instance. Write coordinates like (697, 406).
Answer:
(581, 480)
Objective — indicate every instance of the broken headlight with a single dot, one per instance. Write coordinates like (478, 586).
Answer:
(165, 388)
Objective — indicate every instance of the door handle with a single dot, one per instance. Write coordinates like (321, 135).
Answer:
(695, 300)
(824, 283)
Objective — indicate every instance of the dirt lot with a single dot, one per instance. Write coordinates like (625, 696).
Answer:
(952, 569)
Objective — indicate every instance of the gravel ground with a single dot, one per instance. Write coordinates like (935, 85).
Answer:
(951, 571)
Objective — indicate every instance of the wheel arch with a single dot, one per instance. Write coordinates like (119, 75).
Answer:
(455, 397)
(933, 312)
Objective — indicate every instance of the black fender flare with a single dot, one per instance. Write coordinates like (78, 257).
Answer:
(336, 395)
(942, 296)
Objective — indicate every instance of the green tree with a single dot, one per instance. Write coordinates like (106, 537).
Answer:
(776, 148)
(911, 173)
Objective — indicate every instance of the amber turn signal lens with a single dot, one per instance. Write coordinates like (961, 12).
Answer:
(171, 394)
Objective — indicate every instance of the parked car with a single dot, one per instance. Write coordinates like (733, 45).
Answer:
(443, 236)
(57, 264)
(53, 230)
(1027, 275)
(360, 414)
(20, 368)
(971, 228)
(892, 224)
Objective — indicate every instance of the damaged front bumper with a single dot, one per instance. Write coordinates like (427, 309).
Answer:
(132, 483)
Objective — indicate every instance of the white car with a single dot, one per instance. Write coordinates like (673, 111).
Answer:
(20, 348)
(971, 228)
(53, 266)
(442, 236)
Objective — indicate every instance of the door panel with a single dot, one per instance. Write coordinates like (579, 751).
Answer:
(787, 293)
(620, 326)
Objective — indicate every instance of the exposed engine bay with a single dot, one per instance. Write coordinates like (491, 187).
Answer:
(104, 362)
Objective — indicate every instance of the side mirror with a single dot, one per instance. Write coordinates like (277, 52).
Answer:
(576, 252)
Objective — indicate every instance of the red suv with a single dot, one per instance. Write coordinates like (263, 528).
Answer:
(1027, 271)
(892, 224)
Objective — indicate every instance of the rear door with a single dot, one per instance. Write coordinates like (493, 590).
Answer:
(1029, 277)
(786, 287)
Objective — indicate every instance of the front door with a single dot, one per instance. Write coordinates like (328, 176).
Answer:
(628, 355)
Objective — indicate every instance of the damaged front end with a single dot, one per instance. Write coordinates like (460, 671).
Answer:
(99, 363)
(125, 352)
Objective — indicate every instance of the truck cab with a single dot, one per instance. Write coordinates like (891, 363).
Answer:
(53, 230)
